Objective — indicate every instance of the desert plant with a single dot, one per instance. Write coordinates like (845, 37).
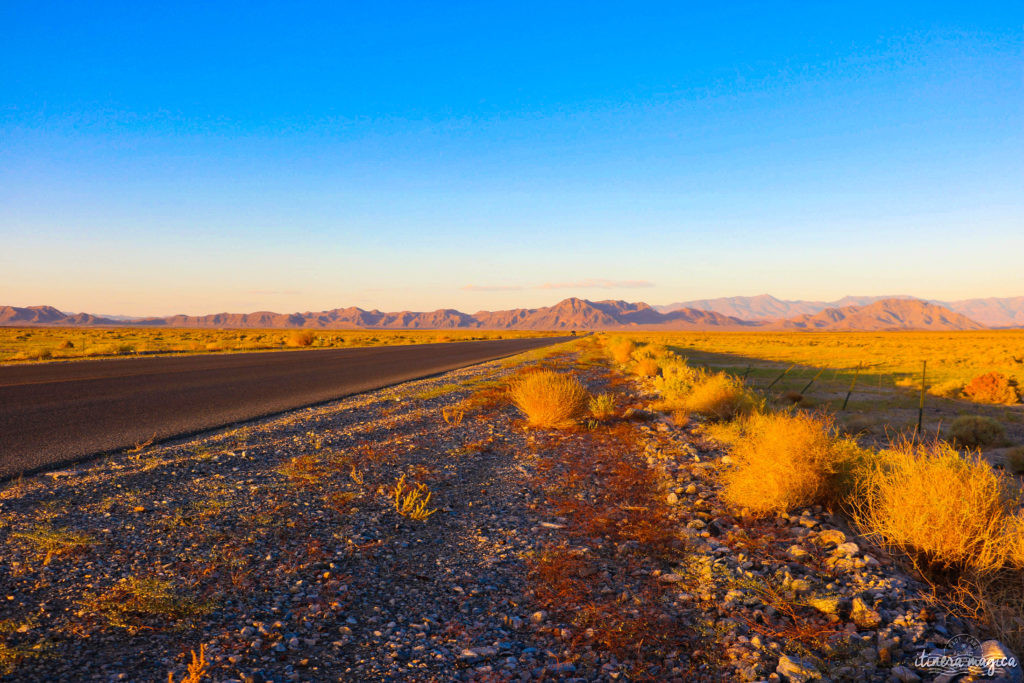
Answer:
(950, 389)
(412, 501)
(992, 387)
(719, 396)
(53, 541)
(135, 602)
(975, 431)
(1014, 458)
(301, 338)
(785, 460)
(549, 398)
(646, 367)
(905, 499)
(197, 668)
(602, 406)
(621, 350)
(453, 415)
(676, 380)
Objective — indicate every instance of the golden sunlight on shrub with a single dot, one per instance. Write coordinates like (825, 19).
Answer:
(992, 387)
(550, 399)
(783, 461)
(646, 367)
(621, 350)
(602, 406)
(720, 397)
(301, 338)
(939, 508)
(949, 389)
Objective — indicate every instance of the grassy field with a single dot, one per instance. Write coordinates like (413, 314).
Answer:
(890, 356)
(818, 370)
(33, 344)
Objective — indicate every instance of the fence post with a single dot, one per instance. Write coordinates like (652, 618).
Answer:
(852, 385)
(808, 386)
(784, 373)
(920, 406)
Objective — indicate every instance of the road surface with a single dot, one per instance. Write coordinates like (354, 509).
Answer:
(54, 413)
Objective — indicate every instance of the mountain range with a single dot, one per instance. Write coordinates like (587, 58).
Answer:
(991, 312)
(736, 313)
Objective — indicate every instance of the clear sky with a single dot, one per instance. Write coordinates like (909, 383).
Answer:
(210, 156)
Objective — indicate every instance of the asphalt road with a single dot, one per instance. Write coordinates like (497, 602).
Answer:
(54, 413)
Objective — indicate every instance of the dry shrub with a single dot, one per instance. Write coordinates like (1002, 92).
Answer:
(976, 431)
(950, 389)
(621, 350)
(784, 461)
(992, 387)
(301, 338)
(941, 509)
(676, 380)
(602, 406)
(550, 399)
(1014, 458)
(719, 396)
(646, 367)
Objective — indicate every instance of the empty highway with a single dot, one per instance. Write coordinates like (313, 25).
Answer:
(53, 413)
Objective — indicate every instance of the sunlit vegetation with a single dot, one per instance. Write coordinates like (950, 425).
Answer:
(954, 358)
(782, 461)
(550, 399)
(33, 344)
(412, 500)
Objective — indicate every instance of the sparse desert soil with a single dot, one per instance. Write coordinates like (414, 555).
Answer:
(599, 553)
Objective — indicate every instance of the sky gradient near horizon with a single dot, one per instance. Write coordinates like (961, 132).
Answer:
(204, 157)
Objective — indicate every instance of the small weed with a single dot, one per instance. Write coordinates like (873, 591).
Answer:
(412, 501)
(197, 668)
(453, 415)
(55, 542)
(141, 603)
(602, 406)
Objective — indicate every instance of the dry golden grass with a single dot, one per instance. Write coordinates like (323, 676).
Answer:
(31, 344)
(939, 508)
(602, 406)
(719, 396)
(783, 461)
(550, 399)
(301, 338)
(885, 356)
(976, 431)
(676, 380)
(949, 389)
(621, 350)
(646, 367)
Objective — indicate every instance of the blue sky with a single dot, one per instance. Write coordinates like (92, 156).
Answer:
(299, 156)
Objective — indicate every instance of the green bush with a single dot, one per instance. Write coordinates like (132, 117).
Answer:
(975, 431)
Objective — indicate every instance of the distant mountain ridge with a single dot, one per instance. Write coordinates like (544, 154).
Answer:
(887, 314)
(860, 313)
(991, 312)
(569, 314)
